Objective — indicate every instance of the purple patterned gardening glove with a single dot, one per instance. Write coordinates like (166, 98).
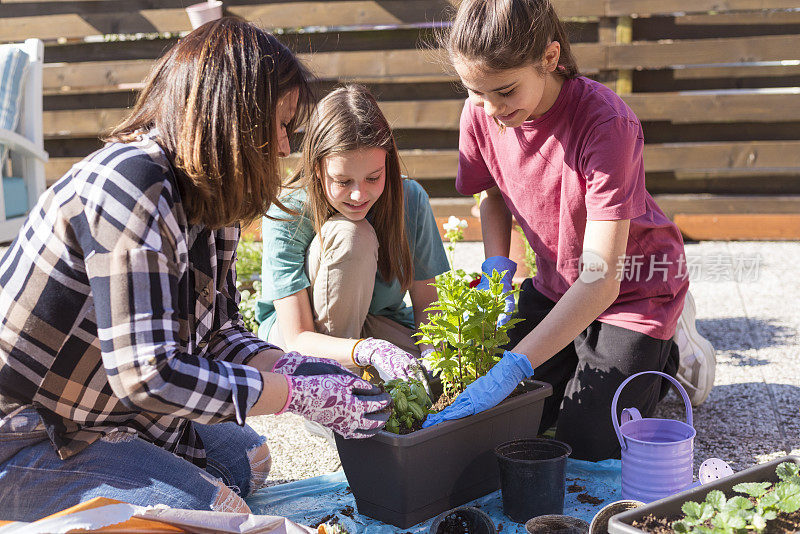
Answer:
(344, 403)
(289, 363)
(389, 360)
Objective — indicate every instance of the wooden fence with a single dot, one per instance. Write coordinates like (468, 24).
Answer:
(716, 84)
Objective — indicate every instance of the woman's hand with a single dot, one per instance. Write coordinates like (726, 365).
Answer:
(342, 402)
(390, 361)
(295, 363)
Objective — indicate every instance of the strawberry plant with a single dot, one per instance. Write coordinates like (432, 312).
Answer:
(464, 330)
(411, 404)
(762, 502)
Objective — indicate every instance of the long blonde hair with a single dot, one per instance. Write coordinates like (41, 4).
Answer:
(348, 119)
(212, 98)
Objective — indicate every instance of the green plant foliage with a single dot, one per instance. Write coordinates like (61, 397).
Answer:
(247, 306)
(248, 272)
(739, 515)
(530, 255)
(248, 260)
(411, 404)
(463, 331)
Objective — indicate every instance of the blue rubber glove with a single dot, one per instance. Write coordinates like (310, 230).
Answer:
(500, 264)
(487, 391)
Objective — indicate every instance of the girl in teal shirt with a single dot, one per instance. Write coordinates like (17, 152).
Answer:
(335, 275)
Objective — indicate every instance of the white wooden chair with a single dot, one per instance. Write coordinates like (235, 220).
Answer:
(26, 181)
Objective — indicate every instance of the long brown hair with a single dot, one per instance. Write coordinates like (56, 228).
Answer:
(212, 97)
(506, 34)
(348, 119)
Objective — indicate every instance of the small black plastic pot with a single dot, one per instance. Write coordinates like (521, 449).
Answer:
(670, 507)
(532, 477)
(463, 520)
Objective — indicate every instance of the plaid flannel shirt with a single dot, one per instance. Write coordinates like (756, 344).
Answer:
(117, 315)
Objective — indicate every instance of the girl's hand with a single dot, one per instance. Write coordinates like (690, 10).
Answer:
(344, 403)
(390, 361)
(487, 391)
(501, 264)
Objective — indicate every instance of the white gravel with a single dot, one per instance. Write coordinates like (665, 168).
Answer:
(296, 454)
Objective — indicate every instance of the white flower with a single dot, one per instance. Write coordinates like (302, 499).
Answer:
(454, 223)
(451, 224)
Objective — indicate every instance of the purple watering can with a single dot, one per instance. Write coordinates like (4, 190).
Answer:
(657, 454)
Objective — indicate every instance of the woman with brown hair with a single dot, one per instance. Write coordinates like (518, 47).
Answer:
(336, 276)
(125, 369)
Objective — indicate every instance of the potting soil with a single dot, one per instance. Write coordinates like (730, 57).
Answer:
(328, 497)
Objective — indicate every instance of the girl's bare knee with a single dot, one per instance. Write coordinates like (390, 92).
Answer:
(260, 463)
(228, 501)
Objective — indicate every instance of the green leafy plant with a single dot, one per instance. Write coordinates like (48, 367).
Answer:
(463, 331)
(530, 255)
(248, 271)
(247, 306)
(248, 261)
(762, 502)
(411, 404)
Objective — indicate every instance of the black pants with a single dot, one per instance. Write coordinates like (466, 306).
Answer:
(586, 374)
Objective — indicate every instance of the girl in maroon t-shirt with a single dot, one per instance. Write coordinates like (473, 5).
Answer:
(563, 155)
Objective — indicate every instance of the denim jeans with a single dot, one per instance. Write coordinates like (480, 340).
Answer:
(35, 482)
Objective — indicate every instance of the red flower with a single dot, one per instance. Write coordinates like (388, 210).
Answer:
(475, 282)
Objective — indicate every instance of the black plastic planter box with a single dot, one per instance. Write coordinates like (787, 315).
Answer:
(403, 480)
(670, 507)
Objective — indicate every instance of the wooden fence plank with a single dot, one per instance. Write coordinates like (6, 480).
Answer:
(94, 75)
(678, 108)
(758, 156)
(396, 66)
(673, 205)
(708, 156)
(423, 114)
(754, 18)
(104, 16)
(75, 26)
(727, 227)
(780, 105)
(658, 55)
(775, 71)
(388, 65)
(80, 122)
(666, 7)
(431, 65)
(83, 19)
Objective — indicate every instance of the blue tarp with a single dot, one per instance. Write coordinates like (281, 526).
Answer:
(310, 501)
